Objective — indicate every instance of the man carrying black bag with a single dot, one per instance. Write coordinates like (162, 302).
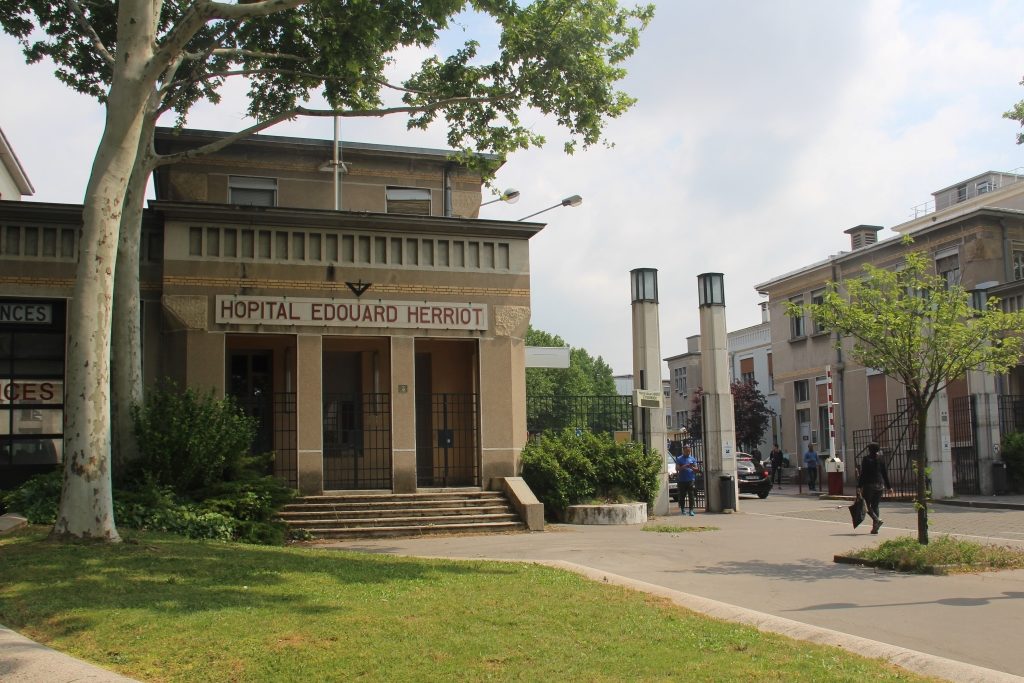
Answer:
(872, 482)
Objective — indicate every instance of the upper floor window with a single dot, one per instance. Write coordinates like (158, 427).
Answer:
(408, 200)
(983, 186)
(250, 191)
(818, 298)
(961, 193)
(680, 380)
(1018, 264)
(948, 268)
(801, 391)
(796, 322)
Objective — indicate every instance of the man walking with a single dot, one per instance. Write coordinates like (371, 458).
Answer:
(811, 461)
(687, 468)
(872, 482)
(775, 458)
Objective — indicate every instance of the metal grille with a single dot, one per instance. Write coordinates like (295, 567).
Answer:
(451, 456)
(1011, 414)
(276, 431)
(357, 441)
(896, 433)
(594, 413)
(963, 434)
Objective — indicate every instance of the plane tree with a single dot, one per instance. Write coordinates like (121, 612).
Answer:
(922, 331)
(143, 59)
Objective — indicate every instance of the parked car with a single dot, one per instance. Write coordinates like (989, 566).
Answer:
(753, 477)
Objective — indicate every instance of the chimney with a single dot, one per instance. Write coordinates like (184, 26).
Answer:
(863, 235)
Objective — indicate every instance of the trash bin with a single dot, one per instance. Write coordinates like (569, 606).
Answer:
(834, 471)
(727, 490)
(999, 478)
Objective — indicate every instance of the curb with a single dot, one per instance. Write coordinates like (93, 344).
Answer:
(980, 504)
(933, 569)
(911, 660)
(10, 522)
(26, 661)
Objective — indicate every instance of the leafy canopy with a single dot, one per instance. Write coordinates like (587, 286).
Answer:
(585, 376)
(751, 413)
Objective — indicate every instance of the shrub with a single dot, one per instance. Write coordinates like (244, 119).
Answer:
(1013, 456)
(38, 498)
(567, 468)
(189, 440)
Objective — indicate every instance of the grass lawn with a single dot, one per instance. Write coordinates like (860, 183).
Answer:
(162, 608)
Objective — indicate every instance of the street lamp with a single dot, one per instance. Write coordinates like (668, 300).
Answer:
(574, 200)
(644, 285)
(710, 289)
(511, 196)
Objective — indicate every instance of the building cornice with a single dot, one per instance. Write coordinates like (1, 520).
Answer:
(14, 167)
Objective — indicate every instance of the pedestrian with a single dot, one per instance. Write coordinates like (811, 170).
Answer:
(775, 460)
(811, 461)
(872, 482)
(687, 468)
(755, 456)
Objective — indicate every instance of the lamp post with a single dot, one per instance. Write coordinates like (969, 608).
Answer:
(509, 196)
(648, 407)
(719, 421)
(574, 200)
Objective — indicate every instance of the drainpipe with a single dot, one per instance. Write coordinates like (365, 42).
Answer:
(840, 368)
(448, 190)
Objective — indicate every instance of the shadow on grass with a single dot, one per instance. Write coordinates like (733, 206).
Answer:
(45, 582)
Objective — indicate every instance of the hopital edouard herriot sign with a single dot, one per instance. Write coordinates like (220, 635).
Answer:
(275, 310)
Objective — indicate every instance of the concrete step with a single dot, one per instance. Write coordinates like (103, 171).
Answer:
(421, 530)
(392, 505)
(349, 522)
(374, 497)
(357, 513)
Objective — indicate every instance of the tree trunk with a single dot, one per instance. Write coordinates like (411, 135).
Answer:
(921, 469)
(86, 505)
(126, 388)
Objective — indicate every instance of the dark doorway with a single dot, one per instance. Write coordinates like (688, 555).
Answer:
(357, 433)
(251, 384)
(447, 414)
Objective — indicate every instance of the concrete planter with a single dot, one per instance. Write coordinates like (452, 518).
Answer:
(612, 513)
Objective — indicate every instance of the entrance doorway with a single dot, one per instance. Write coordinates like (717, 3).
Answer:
(251, 383)
(356, 415)
(447, 414)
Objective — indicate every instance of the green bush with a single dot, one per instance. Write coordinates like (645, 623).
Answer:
(567, 468)
(1013, 455)
(37, 499)
(189, 440)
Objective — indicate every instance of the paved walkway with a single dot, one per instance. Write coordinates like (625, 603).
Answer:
(770, 566)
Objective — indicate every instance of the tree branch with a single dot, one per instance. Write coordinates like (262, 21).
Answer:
(240, 52)
(89, 32)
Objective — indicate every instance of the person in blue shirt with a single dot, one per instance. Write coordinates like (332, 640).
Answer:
(687, 468)
(811, 462)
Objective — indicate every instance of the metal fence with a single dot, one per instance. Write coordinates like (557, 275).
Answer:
(896, 433)
(357, 441)
(963, 434)
(1011, 414)
(593, 413)
(448, 453)
(276, 431)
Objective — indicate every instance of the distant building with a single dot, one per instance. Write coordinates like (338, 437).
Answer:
(14, 182)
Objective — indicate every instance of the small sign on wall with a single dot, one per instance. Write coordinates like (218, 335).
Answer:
(647, 398)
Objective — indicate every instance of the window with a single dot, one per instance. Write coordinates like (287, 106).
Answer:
(948, 268)
(796, 322)
(249, 191)
(825, 438)
(1018, 264)
(668, 420)
(679, 375)
(818, 298)
(408, 200)
(961, 193)
(680, 419)
(771, 374)
(983, 186)
(801, 391)
(747, 370)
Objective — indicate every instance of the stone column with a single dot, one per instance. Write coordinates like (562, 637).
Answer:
(940, 452)
(649, 423)
(205, 361)
(719, 421)
(309, 401)
(503, 422)
(403, 414)
(986, 407)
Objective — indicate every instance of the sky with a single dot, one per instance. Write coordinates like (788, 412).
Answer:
(763, 130)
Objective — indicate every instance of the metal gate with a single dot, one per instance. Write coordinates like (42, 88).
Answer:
(357, 441)
(447, 452)
(963, 437)
(697, 450)
(896, 433)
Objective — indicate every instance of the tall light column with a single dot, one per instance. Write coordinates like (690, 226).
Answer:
(719, 422)
(649, 423)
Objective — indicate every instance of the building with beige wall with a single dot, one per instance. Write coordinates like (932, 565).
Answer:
(974, 233)
(381, 346)
(14, 182)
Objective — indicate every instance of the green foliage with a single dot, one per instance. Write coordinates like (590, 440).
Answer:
(188, 440)
(567, 468)
(37, 498)
(906, 554)
(1012, 453)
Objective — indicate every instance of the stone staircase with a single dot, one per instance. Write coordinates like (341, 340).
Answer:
(383, 514)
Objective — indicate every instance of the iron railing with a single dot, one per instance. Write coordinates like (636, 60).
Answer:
(593, 413)
(447, 449)
(357, 441)
(276, 431)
